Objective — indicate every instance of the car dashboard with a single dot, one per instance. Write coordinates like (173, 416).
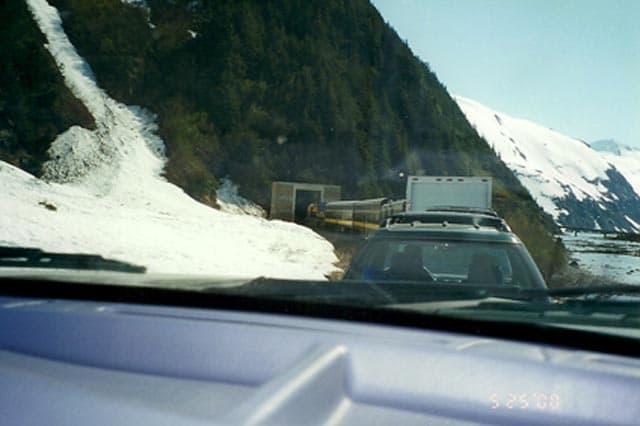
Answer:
(98, 362)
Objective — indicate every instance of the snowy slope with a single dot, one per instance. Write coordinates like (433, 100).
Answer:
(103, 192)
(577, 185)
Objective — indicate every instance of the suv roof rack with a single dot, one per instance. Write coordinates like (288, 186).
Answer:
(461, 209)
(445, 218)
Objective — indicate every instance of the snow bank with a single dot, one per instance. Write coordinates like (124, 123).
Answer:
(103, 192)
(615, 261)
(231, 202)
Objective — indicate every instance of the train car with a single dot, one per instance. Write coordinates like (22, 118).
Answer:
(338, 213)
(360, 215)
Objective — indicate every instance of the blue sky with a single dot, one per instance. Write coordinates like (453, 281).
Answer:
(572, 65)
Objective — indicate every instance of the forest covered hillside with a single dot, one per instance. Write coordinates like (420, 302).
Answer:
(261, 91)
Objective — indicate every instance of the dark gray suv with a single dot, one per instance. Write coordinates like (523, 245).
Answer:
(447, 246)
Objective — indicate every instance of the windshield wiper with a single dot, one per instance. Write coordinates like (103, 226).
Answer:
(23, 257)
(370, 293)
(597, 291)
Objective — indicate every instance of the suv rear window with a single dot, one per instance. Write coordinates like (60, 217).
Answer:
(488, 263)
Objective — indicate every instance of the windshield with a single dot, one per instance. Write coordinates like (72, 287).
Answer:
(460, 146)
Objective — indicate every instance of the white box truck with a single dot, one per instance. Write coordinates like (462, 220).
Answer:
(427, 192)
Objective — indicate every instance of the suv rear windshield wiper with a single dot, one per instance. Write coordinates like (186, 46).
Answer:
(23, 257)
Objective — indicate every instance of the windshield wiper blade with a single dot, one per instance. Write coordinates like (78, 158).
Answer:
(603, 290)
(373, 293)
(24, 257)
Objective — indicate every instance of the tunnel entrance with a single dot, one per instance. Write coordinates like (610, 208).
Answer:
(289, 200)
(304, 197)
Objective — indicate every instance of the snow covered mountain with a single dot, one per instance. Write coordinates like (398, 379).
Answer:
(624, 158)
(579, 186)
(103, 192)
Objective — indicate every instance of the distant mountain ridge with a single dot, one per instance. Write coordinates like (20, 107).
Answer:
(607, 145)
(579, 185)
